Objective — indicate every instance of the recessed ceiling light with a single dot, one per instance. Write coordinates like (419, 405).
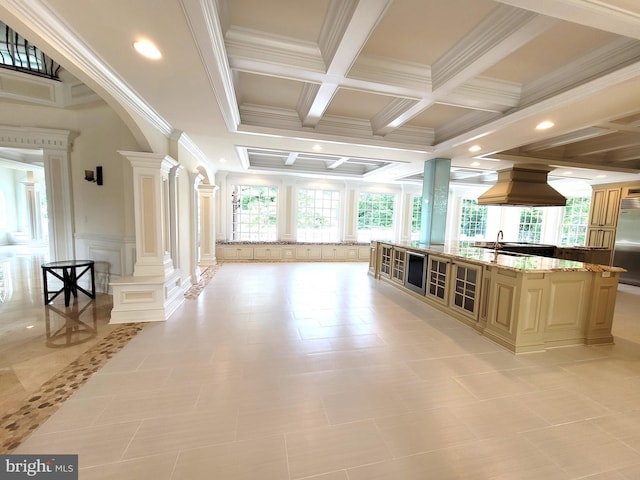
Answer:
(601, 176)
(568, 172)
(545, 125)
(475, 148)
(147, 49)
(475, 164)
(223, 160)
(316, 148)
(29, 326)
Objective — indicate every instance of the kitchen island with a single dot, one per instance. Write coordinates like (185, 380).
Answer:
(523, 302)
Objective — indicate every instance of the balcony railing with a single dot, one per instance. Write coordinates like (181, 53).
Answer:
(16, 53)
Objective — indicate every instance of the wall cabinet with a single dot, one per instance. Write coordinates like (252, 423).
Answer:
(601, 237)
(605, 205)
(603, 218)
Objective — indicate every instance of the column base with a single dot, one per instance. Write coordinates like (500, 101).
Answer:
(146, 299)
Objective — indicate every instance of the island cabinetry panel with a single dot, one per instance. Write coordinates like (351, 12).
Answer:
(267, 253)
(438, 279)
(465, 291)
(569, 298)
(516, 310)
(398, 265)
(309, 252)
(237, 252)
(373, 258)
(601, 309)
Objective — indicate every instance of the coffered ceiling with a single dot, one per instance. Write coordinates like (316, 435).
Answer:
(366, 89)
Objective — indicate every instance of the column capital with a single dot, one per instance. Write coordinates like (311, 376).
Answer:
(162, 162)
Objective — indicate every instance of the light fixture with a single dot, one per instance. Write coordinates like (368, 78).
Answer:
(89, 177)
(316, 148)
(545, 125)
(475, 148)
(147, 49)
(475, 164)
(223, 160)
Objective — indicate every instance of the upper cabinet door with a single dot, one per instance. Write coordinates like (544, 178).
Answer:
(605, 205)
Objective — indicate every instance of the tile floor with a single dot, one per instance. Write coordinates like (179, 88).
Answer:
(37, 342)
(318, 371)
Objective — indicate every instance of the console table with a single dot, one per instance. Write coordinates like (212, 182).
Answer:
(69, 272)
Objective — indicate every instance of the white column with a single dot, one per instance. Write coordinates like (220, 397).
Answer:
(155, 290)
(151, 211)
(174, 233)
(59, 204)
(350, 214)
(206, 195)
(195, 179)
(288, 214)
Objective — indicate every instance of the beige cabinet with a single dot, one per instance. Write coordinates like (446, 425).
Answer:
(267, 253)
(386, 255)
(605, 205)
(438, 279)
(603, 218)
(237, 252)
(309, 252)
(398, 266)
(465, 289)
(601, 237)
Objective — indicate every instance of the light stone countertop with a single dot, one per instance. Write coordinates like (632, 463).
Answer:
(466, 251)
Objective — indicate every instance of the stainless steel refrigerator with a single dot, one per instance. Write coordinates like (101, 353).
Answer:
(627, 249)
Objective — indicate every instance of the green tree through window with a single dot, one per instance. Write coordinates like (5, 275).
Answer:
(254, 213)
(473, 220)
(375, 216)
(575, 221)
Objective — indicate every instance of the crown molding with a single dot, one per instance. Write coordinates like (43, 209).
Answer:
(204, 23)
(38, 16)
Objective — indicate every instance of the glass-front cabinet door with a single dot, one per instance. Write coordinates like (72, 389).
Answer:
(386, 252)
(399, 261)
(466, 288)
(437, 278)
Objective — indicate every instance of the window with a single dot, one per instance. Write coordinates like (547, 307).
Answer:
(530, 228)
(254, 213)
(318, 215)
(575, 220)
(375, 216)
(416, 218)
(17, 53)
(473, 220)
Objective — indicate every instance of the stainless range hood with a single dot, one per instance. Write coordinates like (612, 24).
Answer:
(524, 185)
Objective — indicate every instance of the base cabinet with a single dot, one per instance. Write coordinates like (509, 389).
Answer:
(293, 252)
(522, 309)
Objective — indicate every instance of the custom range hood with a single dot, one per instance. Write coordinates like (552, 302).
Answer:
(523, 185)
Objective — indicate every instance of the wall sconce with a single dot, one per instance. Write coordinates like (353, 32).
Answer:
(88, 176)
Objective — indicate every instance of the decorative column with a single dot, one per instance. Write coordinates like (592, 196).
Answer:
(174, 231)
(287, 214)
(195, 179)
(435, 196)
(350, 214)
(154, 291)
(206, 196)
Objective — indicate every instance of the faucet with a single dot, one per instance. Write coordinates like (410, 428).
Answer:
(499, 237)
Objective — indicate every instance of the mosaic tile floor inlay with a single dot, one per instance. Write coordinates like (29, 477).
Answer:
(16, 425)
